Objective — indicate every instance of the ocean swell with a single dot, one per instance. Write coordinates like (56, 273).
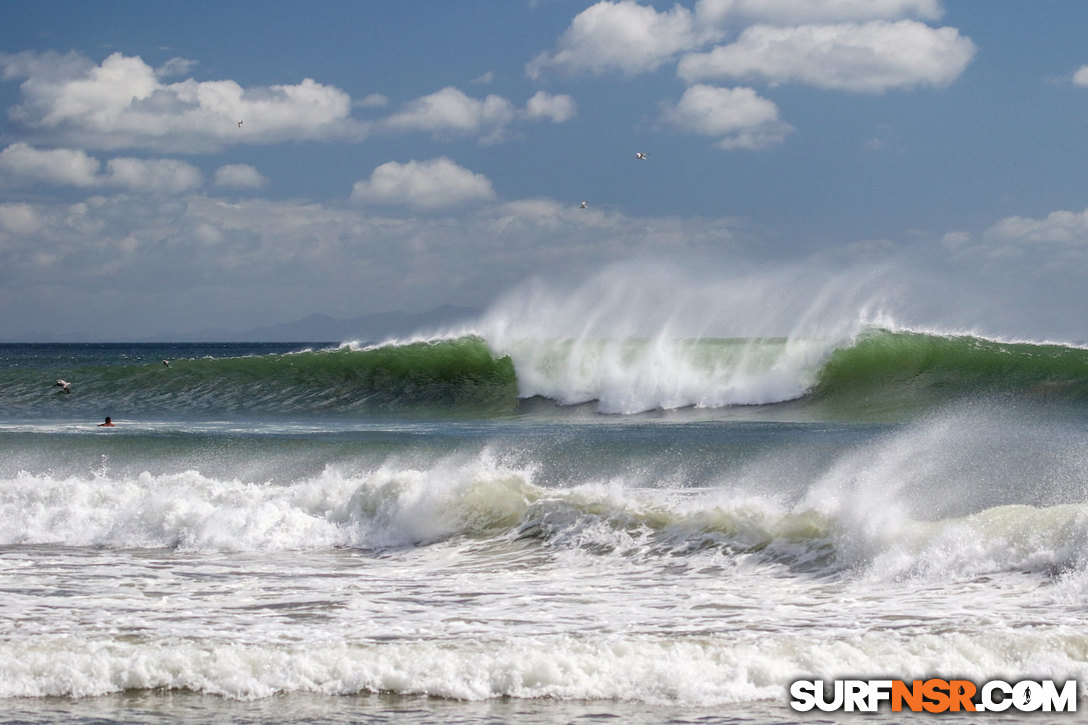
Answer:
(875, 373)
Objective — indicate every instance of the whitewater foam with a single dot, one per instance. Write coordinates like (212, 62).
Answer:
(699, 671)
(883, 510)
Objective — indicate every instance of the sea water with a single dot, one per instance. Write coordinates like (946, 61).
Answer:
(486, 528)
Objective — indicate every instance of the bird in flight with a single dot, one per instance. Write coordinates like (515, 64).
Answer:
(64, 385)
(240, 124)
(583, 205)
(640, 156)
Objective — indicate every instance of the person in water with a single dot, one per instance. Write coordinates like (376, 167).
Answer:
(107, 424)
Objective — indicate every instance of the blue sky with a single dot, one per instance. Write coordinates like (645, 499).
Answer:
(407, 155)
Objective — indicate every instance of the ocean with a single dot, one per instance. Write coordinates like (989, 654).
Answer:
(494, 528)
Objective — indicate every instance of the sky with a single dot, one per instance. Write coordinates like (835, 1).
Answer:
(187, 166)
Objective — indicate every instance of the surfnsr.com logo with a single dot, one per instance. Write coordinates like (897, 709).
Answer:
(934, 695)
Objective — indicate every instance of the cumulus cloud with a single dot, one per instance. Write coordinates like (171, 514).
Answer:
(957, 240)
(239, 176)
(21, 163)
(18, 218)
(1080, 78)
(43, 68)
(425, 185)
(870, 57)
(622, 36)
(374, 100)
(166, 176)
(175, 67)
(738, 116)
(791, 12)
(557, 109)
(450, 110)
(24, 164)
(123, 102)
(1059, 227)
(848, 45)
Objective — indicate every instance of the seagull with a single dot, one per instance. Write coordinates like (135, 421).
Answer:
(64, 385)
(166, 363)
(640, 156)
(240, 124)
(583, 205)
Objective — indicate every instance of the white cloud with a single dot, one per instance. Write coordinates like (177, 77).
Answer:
(870, 57)
(21, 163)
(957, 240)
(557, 109)
(19, 218)
(165, 176)
(738, 116)
(622, 36)
(180, 265)
(423, 184)
(1080, 78)
(1059, 227)
(239, 176)
(374, 100)
(450, 110)
(39, 70)
(792, 12)
(123, 102)
(175, 67)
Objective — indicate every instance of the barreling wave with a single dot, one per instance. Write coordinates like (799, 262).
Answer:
(877, 374)
(458, 373)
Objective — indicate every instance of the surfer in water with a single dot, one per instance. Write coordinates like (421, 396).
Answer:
(107, 424)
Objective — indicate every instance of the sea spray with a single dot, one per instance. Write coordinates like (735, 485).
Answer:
(641, 337)
(968, 491)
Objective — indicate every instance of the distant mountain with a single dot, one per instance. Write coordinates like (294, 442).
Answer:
(323, 328)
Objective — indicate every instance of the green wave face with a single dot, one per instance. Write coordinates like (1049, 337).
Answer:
(880, 375)
(901, 372)
(460, 374)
